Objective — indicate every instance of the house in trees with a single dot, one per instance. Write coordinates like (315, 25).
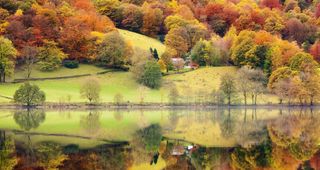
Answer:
(178, 150)
(178, 63)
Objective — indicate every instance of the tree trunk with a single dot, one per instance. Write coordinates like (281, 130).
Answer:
(229, 100)
(255, 99)
(311, 100)
(300, 101)
(252, 98)
(245, 98)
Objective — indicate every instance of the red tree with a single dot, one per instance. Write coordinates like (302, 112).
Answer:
(270, 3)
(315, 51)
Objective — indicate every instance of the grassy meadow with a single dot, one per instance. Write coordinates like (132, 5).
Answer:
(141, 41)
(67, 90)
(20, 73)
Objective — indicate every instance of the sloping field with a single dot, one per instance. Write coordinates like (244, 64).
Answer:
(142, 41)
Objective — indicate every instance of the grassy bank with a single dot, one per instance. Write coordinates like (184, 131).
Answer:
(203, 80)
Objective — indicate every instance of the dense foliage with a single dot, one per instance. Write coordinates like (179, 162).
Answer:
(29, 95)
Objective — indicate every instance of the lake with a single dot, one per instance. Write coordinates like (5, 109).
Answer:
(255, 138)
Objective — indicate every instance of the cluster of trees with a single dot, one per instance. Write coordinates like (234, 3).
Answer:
(298, 81)
(146, 69)
(48, 32)
(250, 83)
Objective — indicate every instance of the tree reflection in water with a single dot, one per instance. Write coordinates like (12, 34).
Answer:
(289, 140)
(293, 139)
(91, 122)
(145, 144)
(227, 125)
(29, 119)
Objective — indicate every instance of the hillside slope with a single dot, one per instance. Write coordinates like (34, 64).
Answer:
(142, 41)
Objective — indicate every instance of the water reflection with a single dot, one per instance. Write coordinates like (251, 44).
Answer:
(29, 119)
(91, 122)
(173, 139)
(8, 159)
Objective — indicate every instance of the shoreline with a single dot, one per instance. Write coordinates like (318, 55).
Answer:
(151, 106)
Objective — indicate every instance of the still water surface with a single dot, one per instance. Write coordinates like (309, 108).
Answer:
(219, 139)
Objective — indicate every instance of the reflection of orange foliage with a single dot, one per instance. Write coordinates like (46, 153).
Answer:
(282, 159)
(181, 164)
(315, 161)
(315, 51)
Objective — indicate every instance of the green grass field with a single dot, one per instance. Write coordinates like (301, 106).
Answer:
(202, 80)
(63, 71)
(141, 41)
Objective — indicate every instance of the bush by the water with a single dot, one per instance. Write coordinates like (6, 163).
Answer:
(71, 64)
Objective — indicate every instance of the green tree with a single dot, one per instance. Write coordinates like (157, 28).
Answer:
(91, 89)
(114, 51)
(303, 62)
(228, 87)
(152, 74)
(204, 53)
(7, 57)
(50, 56)
(241, 45)
(29, 95)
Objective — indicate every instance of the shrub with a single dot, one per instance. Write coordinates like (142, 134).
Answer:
(71, 64)
(152, 75)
